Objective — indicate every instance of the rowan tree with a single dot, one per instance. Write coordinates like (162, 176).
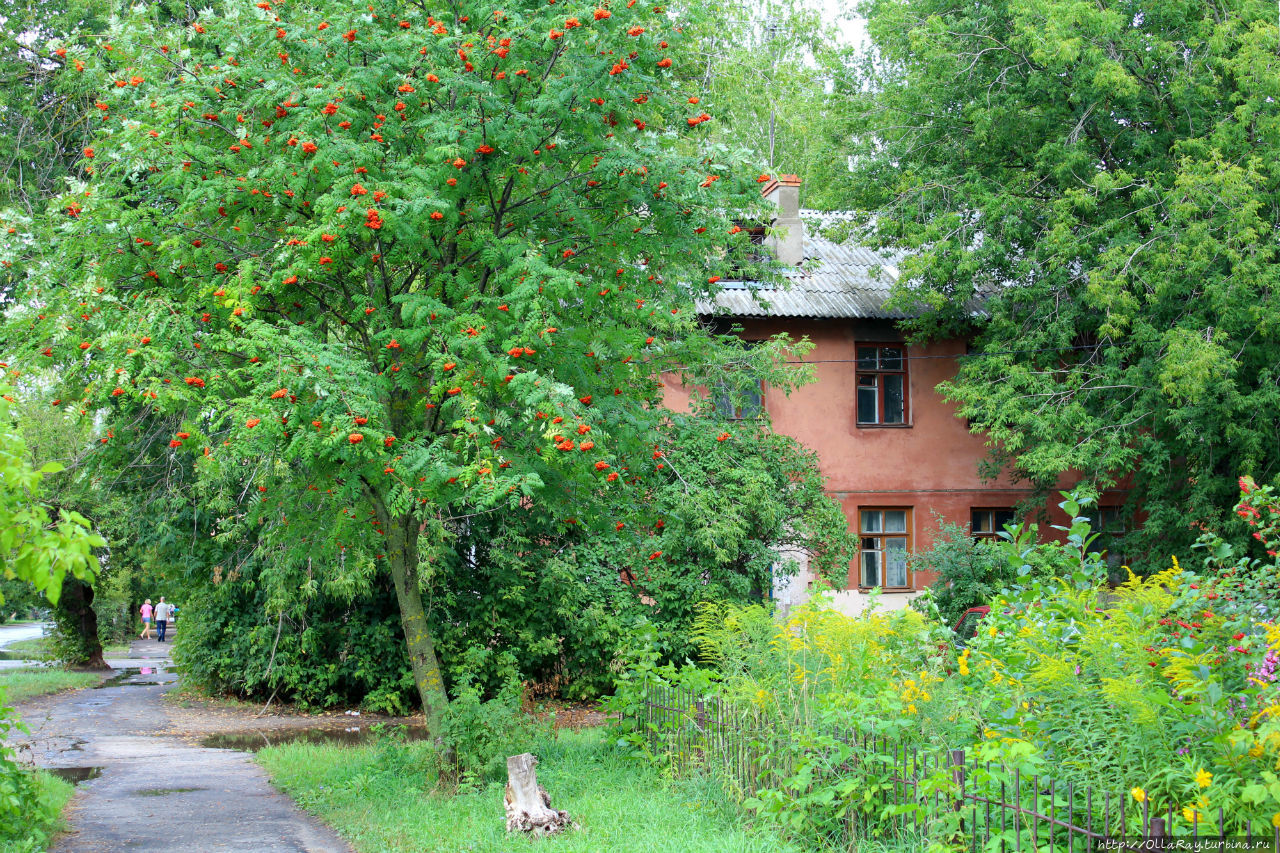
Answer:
(392, 269)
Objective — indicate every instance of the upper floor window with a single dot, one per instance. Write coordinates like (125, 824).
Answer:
(882, 385)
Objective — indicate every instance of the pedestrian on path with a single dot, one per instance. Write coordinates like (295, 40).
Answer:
(162, 618)
(146, 620)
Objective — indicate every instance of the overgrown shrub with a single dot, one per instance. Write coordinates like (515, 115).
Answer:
(1162, 691)
(30, 801)
(320, 652)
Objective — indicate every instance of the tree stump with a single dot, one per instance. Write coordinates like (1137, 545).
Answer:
(528, 804)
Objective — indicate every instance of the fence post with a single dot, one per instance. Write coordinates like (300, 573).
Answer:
(957, 776)
(700, 721)
(1155, 830)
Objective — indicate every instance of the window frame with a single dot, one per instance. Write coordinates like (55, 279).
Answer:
(881, 535)
(878, 373)
(1108, 535)
(993, 534)
(740, 412)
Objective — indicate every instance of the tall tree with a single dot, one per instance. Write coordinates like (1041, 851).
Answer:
(393, 270)
(1103, 176)
(783, 79)
(36, 547)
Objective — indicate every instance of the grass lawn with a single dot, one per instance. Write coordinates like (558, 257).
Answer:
(21, 684)
(36, 646)
(42, 817)
(379, 798)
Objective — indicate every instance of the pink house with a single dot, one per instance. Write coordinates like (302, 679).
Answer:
(894, 453)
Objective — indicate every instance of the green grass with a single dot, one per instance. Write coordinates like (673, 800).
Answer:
(36, 646)
(43, 796)
(21, 684)
(380, 799)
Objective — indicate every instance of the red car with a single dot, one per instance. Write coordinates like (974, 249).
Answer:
(967, 626)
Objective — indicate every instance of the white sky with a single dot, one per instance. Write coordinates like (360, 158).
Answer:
(853, 28)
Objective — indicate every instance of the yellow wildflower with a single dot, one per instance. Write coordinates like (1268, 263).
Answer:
(992, 631)
(1191, 815)
(911, 709)
(1204, 778)
(1176, 567)
(1026, 706)
(1275, 819)
(1137, 793)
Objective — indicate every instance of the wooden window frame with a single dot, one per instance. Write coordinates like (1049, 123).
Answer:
(880, 536)
(879, 373)
(993, 533)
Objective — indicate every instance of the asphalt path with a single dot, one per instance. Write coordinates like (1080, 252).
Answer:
(152, 791)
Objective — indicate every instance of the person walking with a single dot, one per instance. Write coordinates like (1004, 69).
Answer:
(145, 610)
(162, 618)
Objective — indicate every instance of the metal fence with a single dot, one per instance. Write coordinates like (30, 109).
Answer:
(983, 807)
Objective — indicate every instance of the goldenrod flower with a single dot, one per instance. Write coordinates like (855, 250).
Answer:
(1137, 793)
(1204, 778)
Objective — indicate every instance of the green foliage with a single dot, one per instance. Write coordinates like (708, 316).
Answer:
(1248, 574)
(20, 685)
(799, 111)
(1109, 202)
(30, 801)
(357, 296)
(327, 651)
(969, 571)
(386, 801)
(33, 547)
(564, 599)
(1161, 690)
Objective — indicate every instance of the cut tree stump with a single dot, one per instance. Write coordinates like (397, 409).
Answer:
(528, 804)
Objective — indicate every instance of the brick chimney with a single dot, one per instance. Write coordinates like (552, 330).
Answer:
(786, 233)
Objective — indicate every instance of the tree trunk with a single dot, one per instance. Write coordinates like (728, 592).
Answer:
(402, 554)
(80, 620)
(528, 804)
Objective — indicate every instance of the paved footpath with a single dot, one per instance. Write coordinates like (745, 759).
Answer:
(156, 792)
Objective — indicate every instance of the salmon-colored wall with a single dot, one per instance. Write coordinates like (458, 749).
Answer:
(930, 466)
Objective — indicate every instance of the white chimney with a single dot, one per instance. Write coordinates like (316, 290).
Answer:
(786, 232)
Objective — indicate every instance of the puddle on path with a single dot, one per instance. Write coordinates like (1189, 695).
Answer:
(134, 676)
(252, 741)
(164, 792)
(76, 775)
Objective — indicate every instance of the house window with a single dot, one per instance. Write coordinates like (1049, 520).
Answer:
(882, 385)
(989, 523)
(885, 539)
(1108, 522)
(734, 404)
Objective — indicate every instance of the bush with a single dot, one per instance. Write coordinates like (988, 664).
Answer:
(1163, 690)
(320, 652)
(30, 801)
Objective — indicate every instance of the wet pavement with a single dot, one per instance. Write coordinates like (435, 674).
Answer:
(141, 787)
(11, 633)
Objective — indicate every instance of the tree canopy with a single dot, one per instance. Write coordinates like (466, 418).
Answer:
(1103, 178)
(382, 273)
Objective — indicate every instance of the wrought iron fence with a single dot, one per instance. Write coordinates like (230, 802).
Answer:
(980, 806)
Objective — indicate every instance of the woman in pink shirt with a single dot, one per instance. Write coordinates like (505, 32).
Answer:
(146, 621)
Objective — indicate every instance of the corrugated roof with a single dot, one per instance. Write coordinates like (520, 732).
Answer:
(836, 280)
